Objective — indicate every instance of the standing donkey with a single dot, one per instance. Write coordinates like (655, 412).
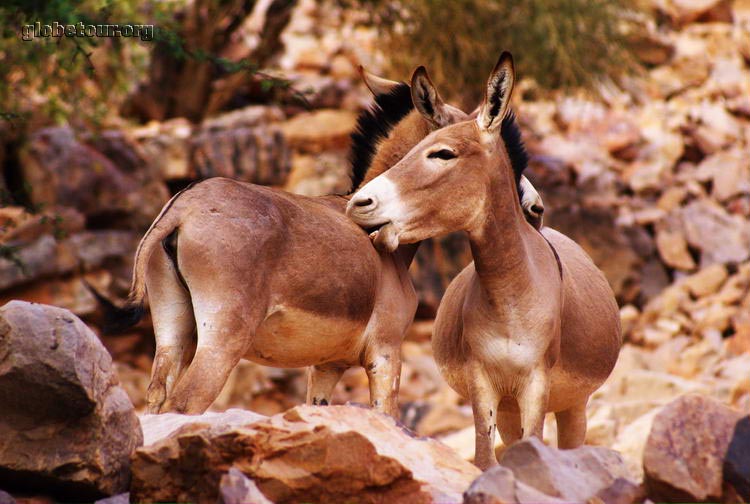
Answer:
(531, 326)
(235, 270)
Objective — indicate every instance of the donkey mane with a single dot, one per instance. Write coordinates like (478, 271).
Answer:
(514, 146)
(373, 125)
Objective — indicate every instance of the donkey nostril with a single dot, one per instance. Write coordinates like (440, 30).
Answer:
(363, 202)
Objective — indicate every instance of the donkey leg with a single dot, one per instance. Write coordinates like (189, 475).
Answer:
(222, 341)
(383, 367)
(532, 401)
(571, 426)
(484, 403)
(320, 383)
(509, 422)
(174, 328)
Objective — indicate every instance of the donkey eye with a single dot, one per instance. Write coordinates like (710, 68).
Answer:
(442, 154)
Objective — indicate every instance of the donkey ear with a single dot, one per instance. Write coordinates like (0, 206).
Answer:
(427, 100)
(377, 85)
(497, 97)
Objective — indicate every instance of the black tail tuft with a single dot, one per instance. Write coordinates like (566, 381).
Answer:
(117, 320)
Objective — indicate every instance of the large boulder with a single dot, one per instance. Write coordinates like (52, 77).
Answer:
(47, 256)
(311, 454)
(685, 453)
(531, 472)
(66, 428)
(62, 169)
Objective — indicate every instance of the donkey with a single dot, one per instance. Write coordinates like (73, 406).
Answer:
(235, 270)
(531, 326)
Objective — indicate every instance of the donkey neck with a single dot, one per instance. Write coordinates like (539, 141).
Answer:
(498, 243)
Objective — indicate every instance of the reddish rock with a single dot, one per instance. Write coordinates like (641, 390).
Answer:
(236, 488)
(67, 428)
(685, 452)
(317, 454)
(532, 472)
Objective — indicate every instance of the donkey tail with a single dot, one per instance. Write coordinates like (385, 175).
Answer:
(118, 319)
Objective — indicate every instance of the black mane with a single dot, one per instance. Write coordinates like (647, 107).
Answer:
(511, 135)
(373, 125)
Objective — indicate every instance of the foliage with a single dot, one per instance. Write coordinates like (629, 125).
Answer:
(85, 81)
(559, 43)
(76, 79)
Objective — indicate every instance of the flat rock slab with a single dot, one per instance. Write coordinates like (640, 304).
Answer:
(158, 427)
(66, 427)
(307, 454)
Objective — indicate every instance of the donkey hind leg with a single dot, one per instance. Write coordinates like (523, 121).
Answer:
(383, 367)
(320, 383)
(174, 328)
(509, 421)
(571, 426)
(222, 341)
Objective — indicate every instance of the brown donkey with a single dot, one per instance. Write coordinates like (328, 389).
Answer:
(235, 270)
(531, 326)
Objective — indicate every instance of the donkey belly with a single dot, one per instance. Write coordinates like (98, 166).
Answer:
(291, 337)
(590, 331)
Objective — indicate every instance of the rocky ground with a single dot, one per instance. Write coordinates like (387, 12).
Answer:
(652, 179)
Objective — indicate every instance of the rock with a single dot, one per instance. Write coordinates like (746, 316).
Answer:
(167, 146)
(236, 488)
(707, 281)
(737, 461)
(685, 452)
(712, 127)
(680, 74)
(498, 485)
(318, 175)
(123, 498)
(631, 442)
(332, 453)
(69, 293)
(321, 130)
(47, 257)
(652, 47)
(530, 472)
(159, 427)
(721, 238)
(18, 226)
(257, 154)
(682, 12)
(61, 170)
(67, 427)
(673, 248)
(730, 173)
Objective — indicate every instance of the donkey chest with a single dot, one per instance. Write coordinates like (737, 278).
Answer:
(511, 343)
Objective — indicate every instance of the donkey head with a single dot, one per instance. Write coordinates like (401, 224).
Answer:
(402, 117)
(443, 184)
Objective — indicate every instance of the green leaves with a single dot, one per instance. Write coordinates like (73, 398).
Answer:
(558, 43)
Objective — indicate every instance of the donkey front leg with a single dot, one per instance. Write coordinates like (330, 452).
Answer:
(532, 401)
(484, 401)
(320, 382)
(383, 367)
